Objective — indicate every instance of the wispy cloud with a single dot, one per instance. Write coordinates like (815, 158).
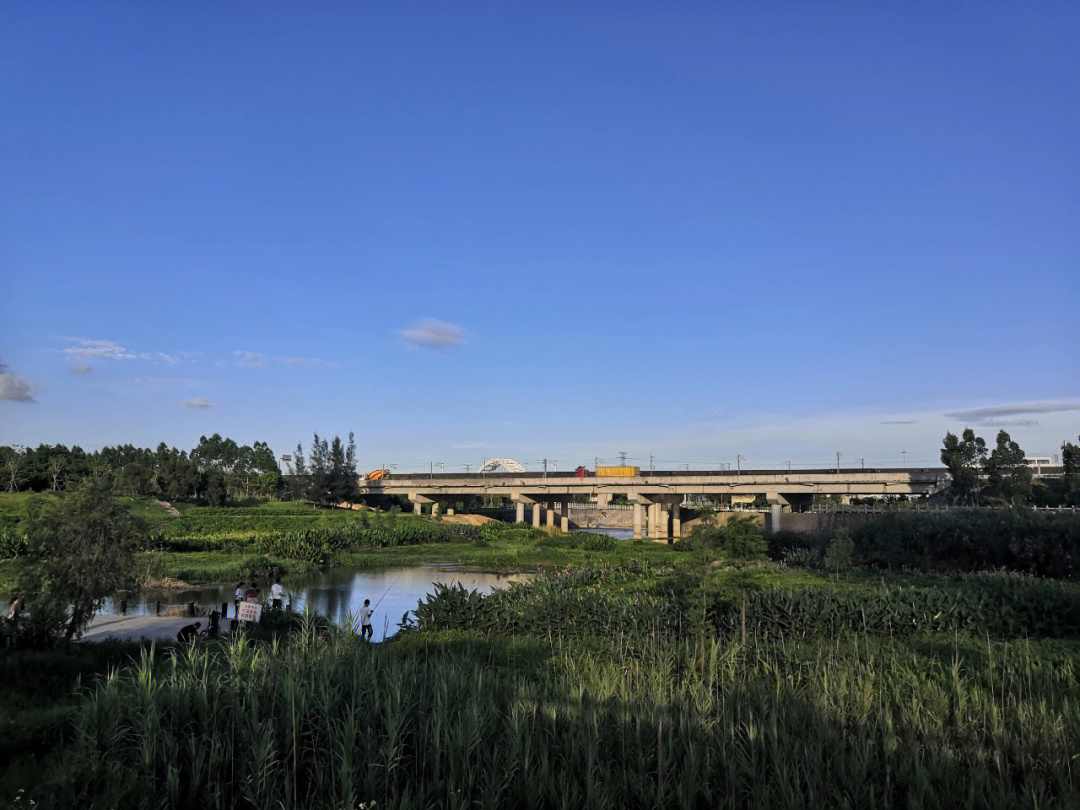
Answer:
(85, 349)
(80, 369)
(898, 422)
(432, 334)
(197, 404)
(293, 362)
(996, 415)
(250, 359)
(259, 360)
(14, 387)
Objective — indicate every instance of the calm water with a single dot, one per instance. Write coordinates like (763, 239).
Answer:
(337, 593)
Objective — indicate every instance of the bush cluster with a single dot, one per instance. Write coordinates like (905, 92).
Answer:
(1016, 540)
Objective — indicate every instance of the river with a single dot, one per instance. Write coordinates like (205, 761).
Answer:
(338, 593)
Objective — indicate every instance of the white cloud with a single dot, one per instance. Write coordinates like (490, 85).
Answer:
(98, 349)
(14, 387)
(86, 349)
(250, 359)
(432, 334)
(197, 404)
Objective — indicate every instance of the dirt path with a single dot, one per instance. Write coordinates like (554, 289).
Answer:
(168, 507)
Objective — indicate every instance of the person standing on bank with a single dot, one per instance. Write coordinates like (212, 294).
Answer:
(365, 620)
(238, 597)
(276, 593)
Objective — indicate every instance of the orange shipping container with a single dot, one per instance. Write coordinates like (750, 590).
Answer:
(617, 472)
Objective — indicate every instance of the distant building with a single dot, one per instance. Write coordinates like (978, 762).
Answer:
(1038, 462)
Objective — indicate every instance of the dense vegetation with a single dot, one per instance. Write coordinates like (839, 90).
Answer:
(1018, 540)
(668, 712)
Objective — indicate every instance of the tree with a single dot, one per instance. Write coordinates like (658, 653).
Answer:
(1070, 478)
(841, 548)
(964, 458)
(88, 544)
(1008, 476)
(12, 468)
(57, 465)
(319, 471)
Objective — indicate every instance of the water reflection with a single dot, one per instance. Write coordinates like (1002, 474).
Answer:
(337, 593)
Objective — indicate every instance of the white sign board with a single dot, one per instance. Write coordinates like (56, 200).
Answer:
(250, 611)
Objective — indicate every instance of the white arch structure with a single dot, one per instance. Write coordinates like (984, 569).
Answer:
(505, 464)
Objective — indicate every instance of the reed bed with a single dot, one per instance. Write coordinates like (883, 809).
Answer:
(606, 599)
(325, 720)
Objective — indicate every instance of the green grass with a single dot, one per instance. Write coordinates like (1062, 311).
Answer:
(452, 720)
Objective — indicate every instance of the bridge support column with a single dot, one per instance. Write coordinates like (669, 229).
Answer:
(676, 521)
(519, 512)
(662, 522)
(434, 509)
(603, 500)
(637, 520)
(536, 514)
(417, 508)
(564, 516)
(777, 506)
(550, 515)
(449, 510)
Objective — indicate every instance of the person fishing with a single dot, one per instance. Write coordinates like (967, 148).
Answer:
(188, 632)
(366, 630)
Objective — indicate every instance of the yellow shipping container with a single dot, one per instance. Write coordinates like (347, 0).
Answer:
(617, 472)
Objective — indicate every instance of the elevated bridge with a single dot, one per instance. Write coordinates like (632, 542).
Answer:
(655, 496)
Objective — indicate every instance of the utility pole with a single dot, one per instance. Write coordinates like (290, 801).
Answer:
(904, 454)
(652, 463)
(738, 464)
(468, 468)
(545, 461)
(595, 462)
(838, 454)
(789, 466)
(622, 458)
(862, 461)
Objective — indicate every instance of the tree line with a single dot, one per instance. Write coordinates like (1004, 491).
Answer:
(1002, 476)
(218, 470)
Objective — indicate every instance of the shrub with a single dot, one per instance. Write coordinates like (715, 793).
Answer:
(841, 547)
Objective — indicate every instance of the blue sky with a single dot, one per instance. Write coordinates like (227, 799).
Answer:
(563, 230)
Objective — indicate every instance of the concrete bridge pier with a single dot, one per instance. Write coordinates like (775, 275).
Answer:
(418, 502)
(537, 507)
(778, 504)
(564, 515)
(637, 520)
(519, 511)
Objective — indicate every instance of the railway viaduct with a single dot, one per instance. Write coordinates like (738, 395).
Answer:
(655, 496)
